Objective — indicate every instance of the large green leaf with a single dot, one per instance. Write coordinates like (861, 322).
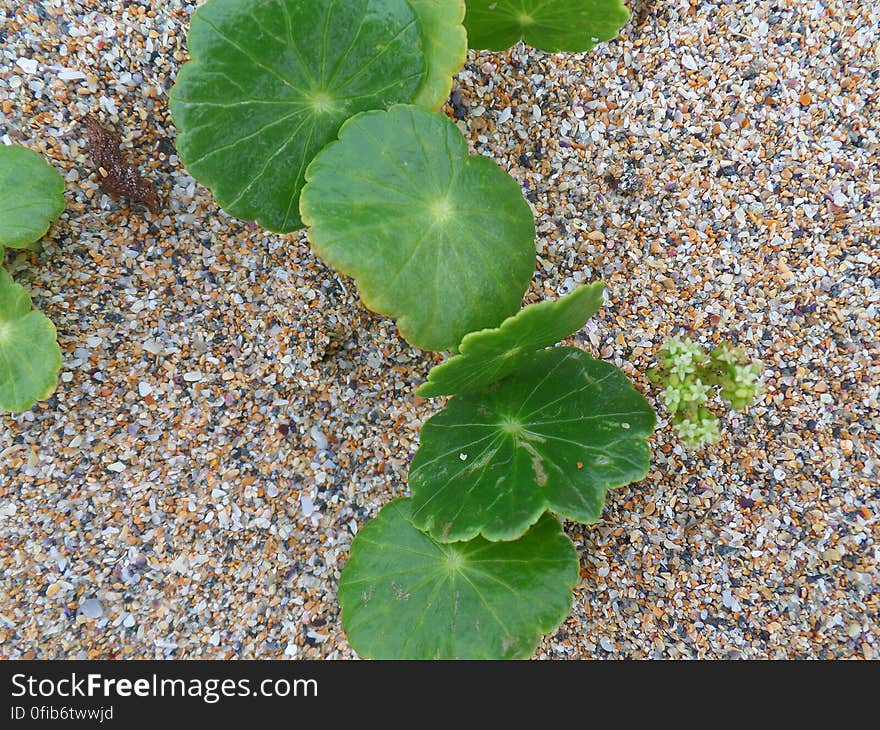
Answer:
(270, 83)
(443, 241)
(31, 197)
(445, 46)
(490, 355)
(29, 355)
(550, 25)
(406, 596)
(552, 436)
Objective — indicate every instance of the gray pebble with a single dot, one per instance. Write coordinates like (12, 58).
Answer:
(91, 608)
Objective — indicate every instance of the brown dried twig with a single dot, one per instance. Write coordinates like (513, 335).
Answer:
(115, 176)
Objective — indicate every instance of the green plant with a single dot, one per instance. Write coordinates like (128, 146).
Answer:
(272, 81)
(554, 435)
(29, 354)
(551, 25)
(440, 239)
(690, 375)
(31, 198)
(445, 46)
(551, 434)
(407, 596)
(487, 356)
(314, 106)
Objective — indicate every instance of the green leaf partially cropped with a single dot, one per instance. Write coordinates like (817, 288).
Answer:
(31, 197)
(549, 25)
(445, 47)
(443, 241)
(554, 436)
(490, 355)
(29, 354)
(270, 83)
(406, 596)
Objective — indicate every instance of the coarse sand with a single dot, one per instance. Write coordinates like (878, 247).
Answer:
(229, 414)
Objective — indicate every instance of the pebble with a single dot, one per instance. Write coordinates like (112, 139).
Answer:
(69, 74)
(729, 601)
(91, 608)
(28, 65)
(321, 442)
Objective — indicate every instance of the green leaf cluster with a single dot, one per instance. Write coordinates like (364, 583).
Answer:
(305, 111)
(271, 82)
(690, 376)
(320, 112)
(31, 198)
(532, 432)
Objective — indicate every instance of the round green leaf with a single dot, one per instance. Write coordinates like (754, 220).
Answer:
(270, 83)
(443, 241)
(31, 197)
(406, 596)
(445, 45)
(29, 355)
(552, 436)
(490, 355)
(550, 25)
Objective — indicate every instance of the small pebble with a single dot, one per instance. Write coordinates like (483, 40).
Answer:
(91, 608)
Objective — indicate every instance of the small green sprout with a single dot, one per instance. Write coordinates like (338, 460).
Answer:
(690, 375)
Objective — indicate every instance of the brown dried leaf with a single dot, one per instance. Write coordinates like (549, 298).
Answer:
(115, 176)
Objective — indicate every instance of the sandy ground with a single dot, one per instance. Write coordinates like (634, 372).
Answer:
(229, 415)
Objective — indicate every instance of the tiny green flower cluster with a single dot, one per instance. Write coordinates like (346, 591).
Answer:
(690, 375)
